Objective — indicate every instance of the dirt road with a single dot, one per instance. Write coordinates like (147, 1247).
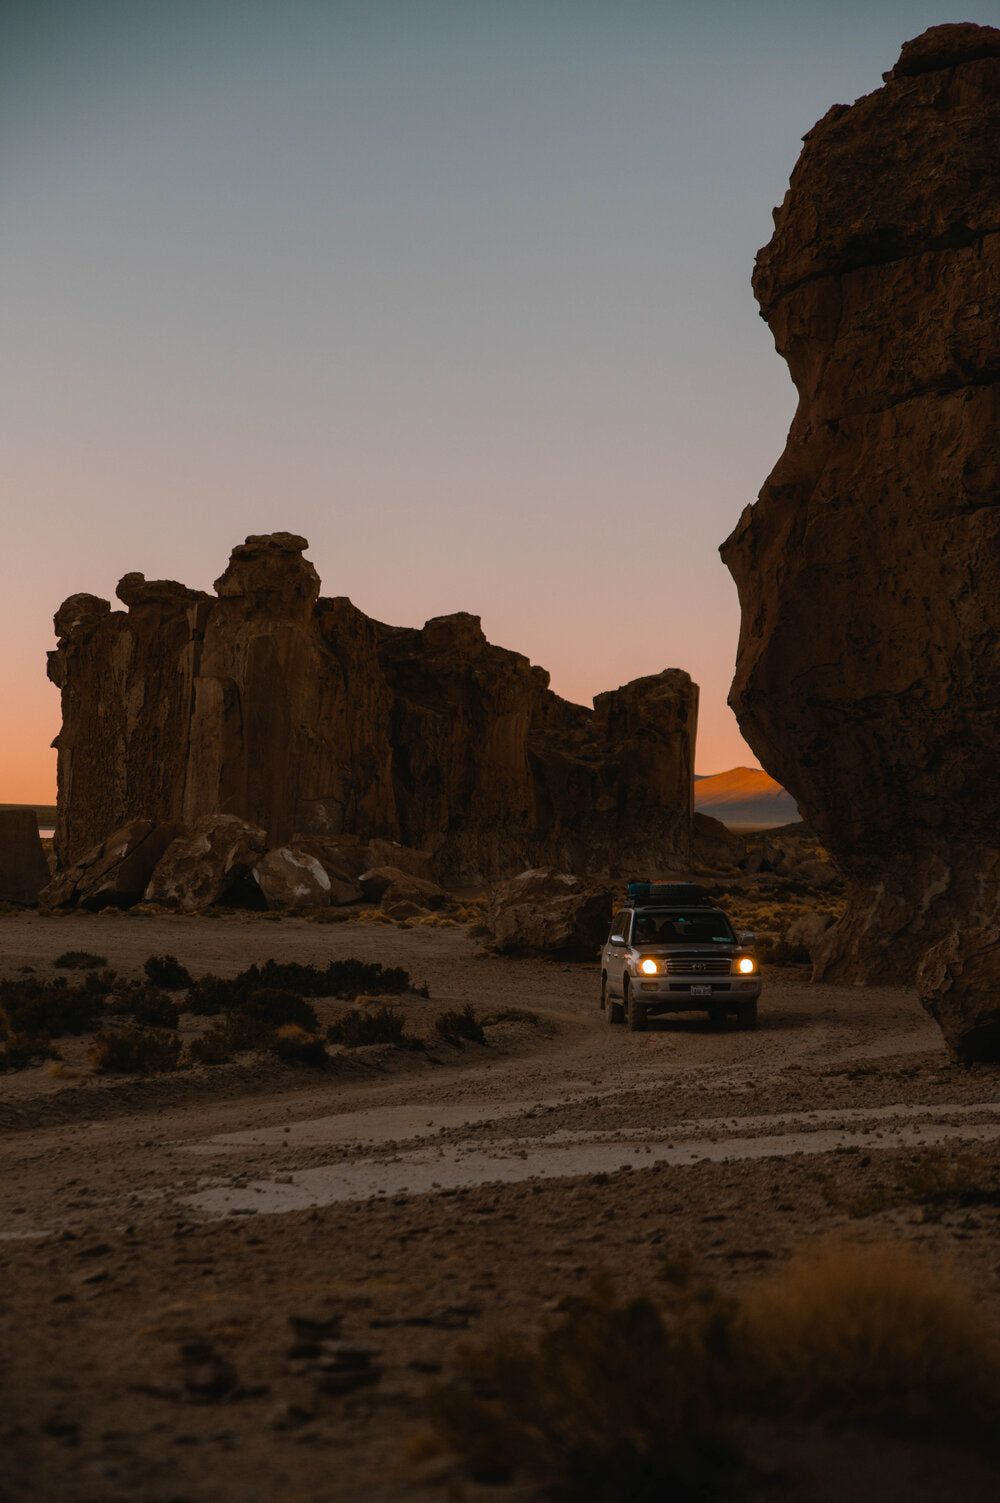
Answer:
(413, 1199)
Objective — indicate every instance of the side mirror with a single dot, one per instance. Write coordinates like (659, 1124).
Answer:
(748, 938)
(617, 939)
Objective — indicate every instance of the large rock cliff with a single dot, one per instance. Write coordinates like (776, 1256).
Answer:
(868, 672)
(304, 717)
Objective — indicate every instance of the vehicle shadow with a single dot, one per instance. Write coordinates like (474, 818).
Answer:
(696, 1023)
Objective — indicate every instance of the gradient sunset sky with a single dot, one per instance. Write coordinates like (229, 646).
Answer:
(461, 291)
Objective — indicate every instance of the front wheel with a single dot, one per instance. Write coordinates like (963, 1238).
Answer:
(614, 1011)
(635, 1012)
(746, 1016)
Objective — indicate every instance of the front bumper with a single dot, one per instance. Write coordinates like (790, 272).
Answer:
(695, 993)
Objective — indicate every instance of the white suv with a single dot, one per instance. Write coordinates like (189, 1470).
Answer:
(670, 951)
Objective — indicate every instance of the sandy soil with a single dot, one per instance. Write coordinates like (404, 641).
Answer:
(166, 1241)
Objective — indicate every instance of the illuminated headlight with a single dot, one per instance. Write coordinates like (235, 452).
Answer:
(649, 967)
(747, 965)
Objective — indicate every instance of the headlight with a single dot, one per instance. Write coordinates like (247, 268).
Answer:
(649, 967)
(747, 965)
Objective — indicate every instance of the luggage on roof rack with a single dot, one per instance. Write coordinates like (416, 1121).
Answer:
(645, 894)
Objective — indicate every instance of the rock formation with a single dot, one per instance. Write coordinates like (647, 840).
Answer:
(868, 671)
(308, 721)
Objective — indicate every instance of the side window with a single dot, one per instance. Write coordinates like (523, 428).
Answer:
(622, 923)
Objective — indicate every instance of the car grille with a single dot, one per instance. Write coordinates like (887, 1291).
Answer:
(690, 965)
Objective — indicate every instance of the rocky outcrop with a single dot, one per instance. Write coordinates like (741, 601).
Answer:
(959, 983)
(545, 912)
(713, 847)
(24, 871)
(309, 721)
(115, 872)
(868, 674)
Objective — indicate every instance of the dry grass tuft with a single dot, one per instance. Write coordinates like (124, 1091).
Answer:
(876, 1335)
(635, 1400)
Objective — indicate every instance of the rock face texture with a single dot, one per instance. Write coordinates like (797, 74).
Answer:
(868, 671)
(306, 719)
(24, 870)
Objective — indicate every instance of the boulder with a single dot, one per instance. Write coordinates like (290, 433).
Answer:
(402, 857)
(341, 863)
(807, 930)
(715, 847)
(427, 749)
(958, 981)
(375, 884)
(404, 908)
(867, 675)
(426, 895)
(213, 863)
(545, 912)
(115, 872)
(292, 878)
(816, 872)
(24, 870)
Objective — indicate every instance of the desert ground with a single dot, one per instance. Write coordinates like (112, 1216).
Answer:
(183, 1252)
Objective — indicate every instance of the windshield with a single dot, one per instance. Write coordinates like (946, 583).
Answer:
(671, 926)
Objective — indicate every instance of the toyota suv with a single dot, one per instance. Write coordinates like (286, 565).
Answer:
(671, 950)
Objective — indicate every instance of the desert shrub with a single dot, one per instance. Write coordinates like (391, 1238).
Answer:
(511, 1015)
(210, 995)
(454, 1026)
(146, 1004)
(612, 1402)
(50, 1009)
(79, 960)
(297, 1047)
(874, 1335)
(166, 971)
(134, 1051)
(346, 978)
(307, 980)
(21, 1050)
(274, 1006)
(941, 1175)
(341, 978)
(380, 1025)
(210, 1048)
(243, 1032)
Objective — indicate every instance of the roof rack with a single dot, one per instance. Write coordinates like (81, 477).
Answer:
(645, 894)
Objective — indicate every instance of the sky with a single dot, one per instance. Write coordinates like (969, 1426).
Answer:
(458, 289)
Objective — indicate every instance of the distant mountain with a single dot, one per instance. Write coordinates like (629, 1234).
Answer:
(744, 797)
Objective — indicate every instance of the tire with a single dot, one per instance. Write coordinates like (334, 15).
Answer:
(604, 990)
(746, 1016)
(615, 1010)
(635, 1012)
(716, 1018)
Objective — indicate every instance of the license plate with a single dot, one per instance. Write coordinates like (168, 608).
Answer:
(701, 991)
